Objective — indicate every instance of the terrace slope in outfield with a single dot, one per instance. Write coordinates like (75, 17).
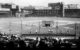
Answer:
(27, 25)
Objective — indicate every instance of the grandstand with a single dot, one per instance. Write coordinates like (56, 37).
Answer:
(54, 9)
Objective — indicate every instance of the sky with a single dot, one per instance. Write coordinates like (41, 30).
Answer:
(39, 2)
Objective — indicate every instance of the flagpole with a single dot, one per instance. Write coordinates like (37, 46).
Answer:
(21, 22)
(75, 30)
(39, 26)
(21, 25)
(10, 27)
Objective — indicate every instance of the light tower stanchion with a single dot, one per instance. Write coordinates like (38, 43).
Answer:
(63, 11)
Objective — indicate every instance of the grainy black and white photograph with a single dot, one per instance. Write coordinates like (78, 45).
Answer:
(39, 24)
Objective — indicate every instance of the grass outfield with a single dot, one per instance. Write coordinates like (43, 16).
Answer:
(13, 25)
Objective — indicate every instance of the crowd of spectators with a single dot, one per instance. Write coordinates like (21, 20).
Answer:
(45, 42)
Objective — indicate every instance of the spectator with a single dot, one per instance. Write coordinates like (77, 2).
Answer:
(22, 44)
